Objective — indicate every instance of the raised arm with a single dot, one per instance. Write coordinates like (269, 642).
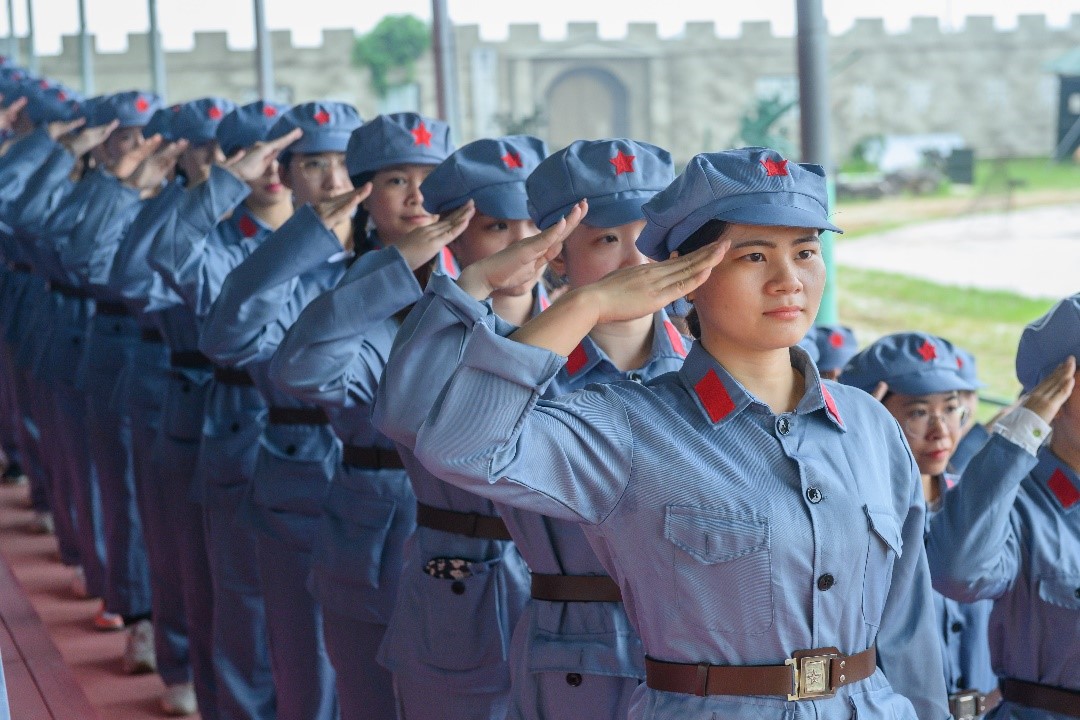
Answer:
(973, 546)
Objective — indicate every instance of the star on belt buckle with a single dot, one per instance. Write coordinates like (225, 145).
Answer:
(811, 674)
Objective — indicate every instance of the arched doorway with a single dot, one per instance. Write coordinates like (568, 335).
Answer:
(586, 103)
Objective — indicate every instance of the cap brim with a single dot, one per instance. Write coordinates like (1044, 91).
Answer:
(929, 382)
(375, 164)
(322, 142)
(507, 201)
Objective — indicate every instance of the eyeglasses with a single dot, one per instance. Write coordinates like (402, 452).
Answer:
(918, 421)
(321, 165)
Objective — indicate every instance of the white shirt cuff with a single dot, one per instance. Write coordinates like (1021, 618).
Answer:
(1024, 428)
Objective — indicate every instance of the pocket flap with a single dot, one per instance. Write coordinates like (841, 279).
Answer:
(886, 527)
(1061, 591)
(594, 654)
(714, 536)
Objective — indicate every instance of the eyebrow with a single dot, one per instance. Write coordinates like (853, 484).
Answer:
(761, 242)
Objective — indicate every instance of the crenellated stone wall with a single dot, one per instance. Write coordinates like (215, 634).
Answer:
(685, 93)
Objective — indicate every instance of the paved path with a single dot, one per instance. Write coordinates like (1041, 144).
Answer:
(1034, 252)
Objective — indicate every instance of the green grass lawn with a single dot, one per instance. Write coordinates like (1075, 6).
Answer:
(1028, 173)
(987, 323)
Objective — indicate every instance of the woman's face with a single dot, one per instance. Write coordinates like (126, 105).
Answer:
(589, 253)
(196, 160)
(121, 141)
(316, 177)
(396, 205)
(931, 424)
(765, 293)
(268, 189)
(486, 235)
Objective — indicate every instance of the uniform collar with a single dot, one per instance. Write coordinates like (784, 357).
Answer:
(1058, 480)
(667, 344)
(721, 397)
(246, 224)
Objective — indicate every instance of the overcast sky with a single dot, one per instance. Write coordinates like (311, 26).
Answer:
(111, 20)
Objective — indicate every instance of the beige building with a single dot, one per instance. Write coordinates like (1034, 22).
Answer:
(686, 93)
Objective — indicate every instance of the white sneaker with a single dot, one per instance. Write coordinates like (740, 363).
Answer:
(78, 583)
(139, 655)
(179, 700)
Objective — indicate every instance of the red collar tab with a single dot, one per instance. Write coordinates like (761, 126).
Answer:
(141, 104)
(836, 339)
(927, 351)
(623, 163)
(269, 111)
(247, 227)
(774, 167)
(830, 406)
(512, 160)
(544, 302)
(421, 135)
(448, 262)
(714, 396)
(1066, 493)
(322, 117)
(675, 338)
(576, 360)
(214, 113)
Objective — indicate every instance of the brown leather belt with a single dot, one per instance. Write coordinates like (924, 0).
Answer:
(371, 458)
(575, 588)
(232, 376)
(808, 675)
(69, 291)
(1041, 697)
(189, 360)
(20, 267)
(151, 335)
(461, 523)
(105, 307)
(298, 416)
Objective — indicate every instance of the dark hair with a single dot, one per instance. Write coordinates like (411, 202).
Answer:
(707, 233)
(362, 243)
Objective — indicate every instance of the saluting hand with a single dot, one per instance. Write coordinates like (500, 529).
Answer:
(1046, 399)
(10, 114)
(152, 171)
(336, 212)
(252, 163)
(517, 264)
(60, 128)
(642, 290)
(90, 138)
(126, 165)
(424, 243)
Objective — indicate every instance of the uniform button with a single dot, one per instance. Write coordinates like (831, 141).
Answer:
(783, 425)
(636, 377)
(116, 327)
(825, 582)
(573, 679)
(813, 495)
(235, 427)
(290, 449)
(185, 388)
(76, 341)
(457, 587)
(956, 627)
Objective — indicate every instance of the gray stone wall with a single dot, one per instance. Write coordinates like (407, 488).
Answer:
(685, 93)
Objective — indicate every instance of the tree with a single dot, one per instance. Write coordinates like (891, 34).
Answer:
(396, 43)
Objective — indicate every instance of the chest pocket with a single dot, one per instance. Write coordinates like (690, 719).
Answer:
(1061, 591)
(885, 546)
(722, 565)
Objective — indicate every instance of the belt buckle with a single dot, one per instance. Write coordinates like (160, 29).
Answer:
(811, 674)
(967, 704)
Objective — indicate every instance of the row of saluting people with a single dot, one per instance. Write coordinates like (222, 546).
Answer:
(309, 419)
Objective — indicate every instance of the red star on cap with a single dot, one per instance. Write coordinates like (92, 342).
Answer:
(836, 340)
(322, 117)
(959, 363)
(623, 163)
(247, 226)
(61, 96)
(512, 160)
(214, 113)
(775, 167)
(421, 135)
(269, 111)
(927, 351)
(141, 105)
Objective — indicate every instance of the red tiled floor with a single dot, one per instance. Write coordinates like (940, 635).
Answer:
(93, 656)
